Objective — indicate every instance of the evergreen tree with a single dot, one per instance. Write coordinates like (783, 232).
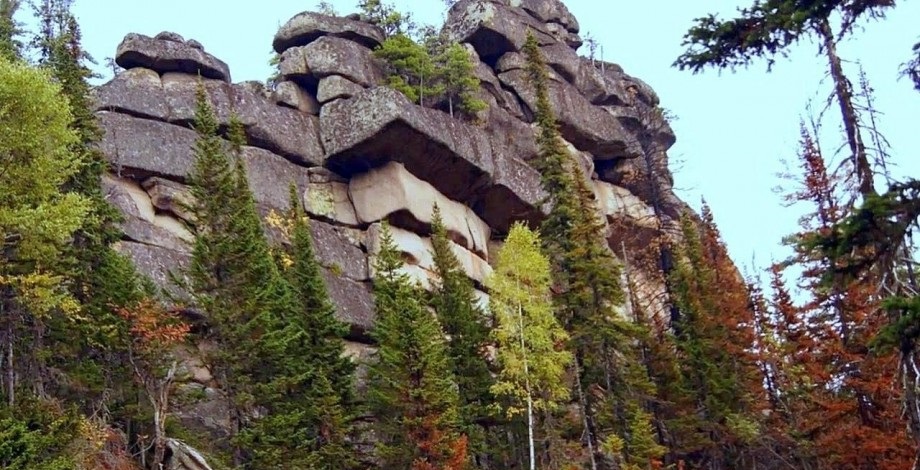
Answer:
(912, 67)
(411, 70)
(460, 85)
(10, 47)
(256, 318)
(769, 28)
(528, 337)
(387, 17)
(412, 391)
(329, 407)
(454, 300)
(587, 279)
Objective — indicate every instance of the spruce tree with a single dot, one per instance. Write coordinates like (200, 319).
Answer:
(454, 300)
(411, 69)
(587, 278)
(412, 391)
(455, 70)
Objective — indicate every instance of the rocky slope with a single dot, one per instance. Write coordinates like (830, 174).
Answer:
(361, 153)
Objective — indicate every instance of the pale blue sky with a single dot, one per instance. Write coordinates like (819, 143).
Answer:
(732, 129)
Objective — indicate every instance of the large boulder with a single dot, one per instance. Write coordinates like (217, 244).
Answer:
(270, 177)
(334, 87)
(309, 26)
(283, 130)
(493, 28)
(161, 55)
(170, 197)
(141, 223)
(380, 125)
(160, 265)
(329, 200)
(549, 11)
(293, 96)
(354, 303)
(330, 56)
(140, 147)
(392, 192)
(588, 127)
(337, 251)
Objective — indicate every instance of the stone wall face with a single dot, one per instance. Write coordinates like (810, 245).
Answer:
(361, 154)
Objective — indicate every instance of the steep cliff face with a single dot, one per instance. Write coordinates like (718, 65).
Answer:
(360, 153)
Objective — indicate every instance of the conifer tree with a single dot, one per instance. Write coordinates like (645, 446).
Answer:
(587, 279)
(412, 390)
(532, 365)
(411, 68)
(10, 46)
(460, 85)
(457, 307)
(329, 406)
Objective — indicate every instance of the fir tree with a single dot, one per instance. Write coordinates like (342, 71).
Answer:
(532, 365)
(454, 300)
(412, 391)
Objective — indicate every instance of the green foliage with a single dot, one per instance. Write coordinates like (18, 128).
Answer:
(387, 17)
(530, 342)
(431, 71)
(10, 47)
(454, 300)
(37, 436)
(274, 354)
(767, 29)
(412, 391)
(326, 8)
(459, 82)
(410, 68)
(586, 277)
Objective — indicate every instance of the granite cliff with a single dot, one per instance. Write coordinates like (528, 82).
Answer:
(361, 153)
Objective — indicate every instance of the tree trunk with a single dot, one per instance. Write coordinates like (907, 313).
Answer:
(587, 422)
(530, 440)
(844, 92)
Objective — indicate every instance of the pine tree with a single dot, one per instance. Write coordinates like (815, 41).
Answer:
(454, 300)
(412, 391)
(529, 340)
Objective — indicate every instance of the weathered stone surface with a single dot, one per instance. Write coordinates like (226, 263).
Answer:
(309, 26)
(493, 28)
(141, 147)
(588, 127)
(549, 11)
(600, 87)
(354, 303)
(184, 457)
(159, 264)
(517, 193)
(279, 129)
(141, 224)
(330, 201)
(336, 86)
(617, 202)
(563, 35)
(136, 91)
(337, 253)
(392, 192)
(380, 125)
(137, 50)
(270, 177)
(170, 196)
(293, 96)
(330, 56)
(282, 130)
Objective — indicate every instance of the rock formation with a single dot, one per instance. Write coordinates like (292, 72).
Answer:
(362, 153)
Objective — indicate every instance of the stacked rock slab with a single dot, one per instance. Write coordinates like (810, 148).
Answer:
(361, 154)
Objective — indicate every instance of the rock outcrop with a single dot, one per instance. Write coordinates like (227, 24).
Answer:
(360, 153)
